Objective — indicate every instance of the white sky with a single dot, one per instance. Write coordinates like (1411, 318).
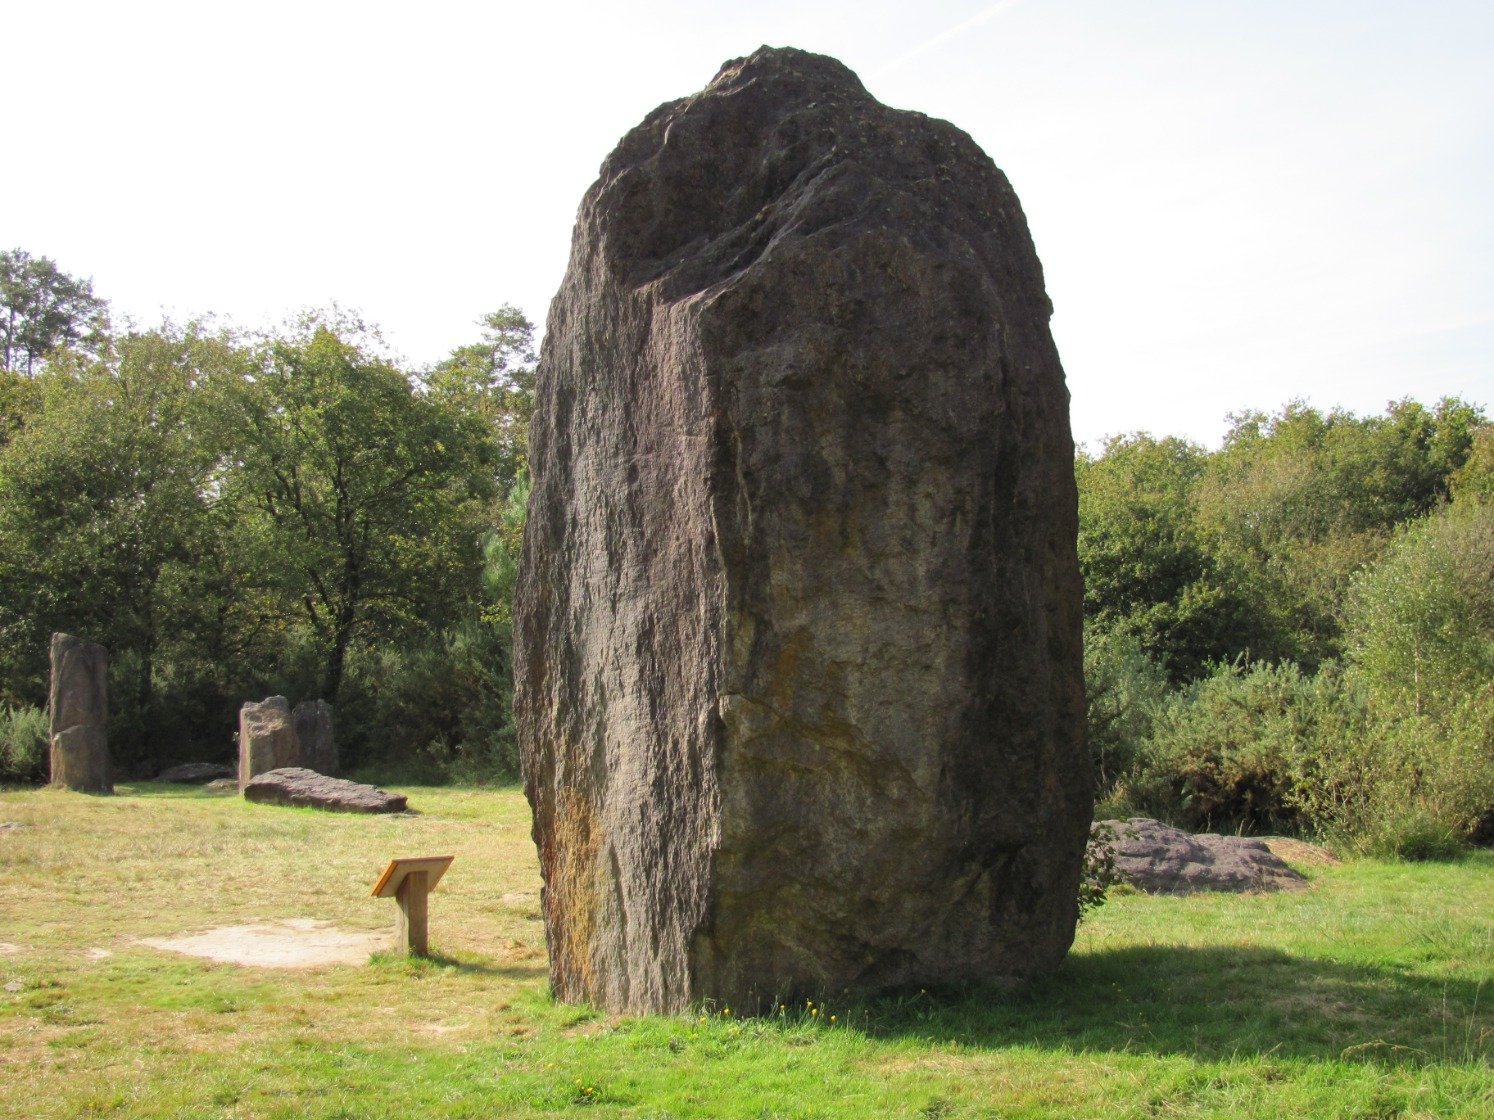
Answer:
(1236, 203)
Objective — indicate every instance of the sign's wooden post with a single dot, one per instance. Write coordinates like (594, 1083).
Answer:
(409, 882)
(410, 929)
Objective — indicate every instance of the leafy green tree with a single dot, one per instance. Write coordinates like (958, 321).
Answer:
(359, 500)
(1302, 500)
(1148, 569)
(107, 519)
(494, 378)
(1474, 478)
(43, 309)
(1421, 621)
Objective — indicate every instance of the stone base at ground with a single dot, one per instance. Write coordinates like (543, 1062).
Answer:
(196, 773)
(1159, 859)
(295, 785)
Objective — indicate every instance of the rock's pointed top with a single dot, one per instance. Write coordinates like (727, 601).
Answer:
(790, 64)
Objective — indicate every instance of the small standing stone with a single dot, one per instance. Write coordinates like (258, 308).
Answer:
(267, 738)
(78, 708)
(316, 732)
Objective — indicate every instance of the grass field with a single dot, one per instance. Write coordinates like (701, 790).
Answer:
(1369, 995)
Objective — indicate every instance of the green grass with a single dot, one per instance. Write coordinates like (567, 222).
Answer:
(1367, 996)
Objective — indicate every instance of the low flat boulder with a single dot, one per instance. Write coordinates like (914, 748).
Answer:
(1159, 859)
(296, 785)
(196, 773)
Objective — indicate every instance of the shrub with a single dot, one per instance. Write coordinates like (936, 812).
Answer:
(1098, 874)
(23, 745)
(1409, 785)
(1224, 753)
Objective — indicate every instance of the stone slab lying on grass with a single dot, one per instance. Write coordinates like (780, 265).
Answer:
(196, 773)
(296, 785)
(286, 943)
(1159, 859)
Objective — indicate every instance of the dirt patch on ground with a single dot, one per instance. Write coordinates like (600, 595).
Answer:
(6, 948)
(1300, 852)
(286, 943)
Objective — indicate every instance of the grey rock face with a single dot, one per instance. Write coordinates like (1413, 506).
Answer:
(267, 738)
(78, 713)
(1160, 859)
(195, 773)
(798, 662)
(316, 734)
(296, 785)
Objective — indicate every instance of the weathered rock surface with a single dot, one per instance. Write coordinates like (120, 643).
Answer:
(316, 734)
(1160, 859)
(78, 712)
(267, 738)
(295, 785)
(798, 661)
(196, 773)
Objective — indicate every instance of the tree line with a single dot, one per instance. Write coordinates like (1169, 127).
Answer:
(1296, 631)
(237, 514)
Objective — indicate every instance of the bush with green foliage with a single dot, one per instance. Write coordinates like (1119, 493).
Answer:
(1224, 752)
(1421, 622)
(23, 745)
(1411, 786)
(1124, 689)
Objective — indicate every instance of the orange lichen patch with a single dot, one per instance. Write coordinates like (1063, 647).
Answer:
(570, 857)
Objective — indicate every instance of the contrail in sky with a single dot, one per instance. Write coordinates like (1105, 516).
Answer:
(945, 36)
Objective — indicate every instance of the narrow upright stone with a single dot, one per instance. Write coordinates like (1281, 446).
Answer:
(316, 734)
(267, 738)
(78, 714)
(797, 634)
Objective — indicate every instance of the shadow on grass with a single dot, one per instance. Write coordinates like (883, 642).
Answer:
(437, 962)
(179, 790)
(1210, 1004)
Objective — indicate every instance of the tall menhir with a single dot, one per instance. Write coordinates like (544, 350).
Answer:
(797, 634)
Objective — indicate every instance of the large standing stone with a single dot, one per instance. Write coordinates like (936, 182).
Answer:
(316, 733)
(78, 712)
(798, 658)
(267, 738)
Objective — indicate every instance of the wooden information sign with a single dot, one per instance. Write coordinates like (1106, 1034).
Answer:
(408, 881)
